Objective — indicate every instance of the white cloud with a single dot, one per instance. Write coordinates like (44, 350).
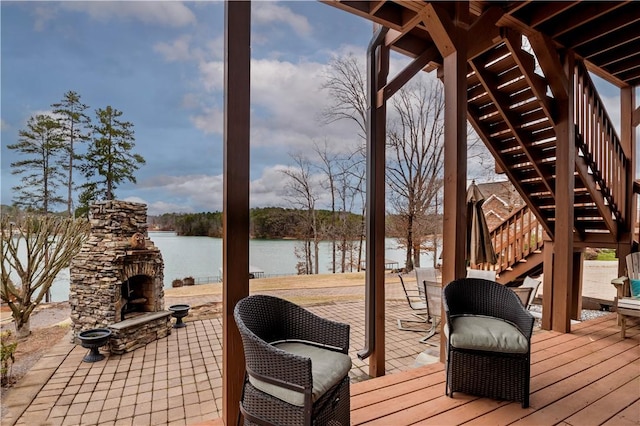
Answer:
(166, 13)
(176, 51)
(43, 15)
(286, 100)
(158, 208)
(272, 13)
(4, 125)
(212, 75)
(269, 189)
(210, 121)
(197, 193)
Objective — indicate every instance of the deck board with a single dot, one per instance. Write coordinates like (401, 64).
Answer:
(628, 416)
(587, 377)
(590, 376)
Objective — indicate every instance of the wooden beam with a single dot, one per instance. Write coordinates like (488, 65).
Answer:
(547, 283)
(392, 36)
(484, 33)
(410, 20)
(564, 213)
(455, 167)
(576, 288)
(455, 170)
(374, 6)
(377, 69)
(407, 73)
(235, 245)
(441, 29)
(549, 61)
(629, 119)
(376, 209)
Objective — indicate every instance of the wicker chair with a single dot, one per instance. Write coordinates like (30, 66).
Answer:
(495, 363)
(297, 366)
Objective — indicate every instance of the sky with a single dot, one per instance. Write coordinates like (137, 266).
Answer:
(161, 64)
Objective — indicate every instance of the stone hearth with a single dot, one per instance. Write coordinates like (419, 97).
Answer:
(117, 279)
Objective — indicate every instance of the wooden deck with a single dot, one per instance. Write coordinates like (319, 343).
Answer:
(588, 377)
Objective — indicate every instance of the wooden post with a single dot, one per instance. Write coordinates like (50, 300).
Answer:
(628, 142)
(455, 167)
(564, 215)
(376, 212)
(547, 283)
(576, 288)
(235, 245)
(455, 171)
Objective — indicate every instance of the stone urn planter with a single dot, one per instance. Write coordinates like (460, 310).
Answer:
(179, 312)
(93, 339)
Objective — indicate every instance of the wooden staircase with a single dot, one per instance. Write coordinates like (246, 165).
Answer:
(513, 110)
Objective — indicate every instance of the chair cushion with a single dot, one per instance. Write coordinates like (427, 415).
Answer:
(327, 368)
(486, 334)
(635, 288)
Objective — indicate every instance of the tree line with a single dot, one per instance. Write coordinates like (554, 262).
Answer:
(64, 152)
(265, 223)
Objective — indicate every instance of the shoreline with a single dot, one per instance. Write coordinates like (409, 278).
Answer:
(596, 288)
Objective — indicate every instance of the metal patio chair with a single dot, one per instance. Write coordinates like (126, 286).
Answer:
(418, 304)
(432, 284)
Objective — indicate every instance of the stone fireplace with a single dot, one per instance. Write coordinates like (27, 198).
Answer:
(117, 279)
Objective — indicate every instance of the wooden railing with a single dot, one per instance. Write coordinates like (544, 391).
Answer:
(516, 238)
(599, 143)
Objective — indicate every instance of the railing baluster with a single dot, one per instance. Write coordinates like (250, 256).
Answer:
(600, 142)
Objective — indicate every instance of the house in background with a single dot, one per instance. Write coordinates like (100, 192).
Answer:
(501, 199)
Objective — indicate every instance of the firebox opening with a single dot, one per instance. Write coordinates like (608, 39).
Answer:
(137, 295)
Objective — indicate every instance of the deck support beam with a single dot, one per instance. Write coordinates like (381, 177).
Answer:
(629, 120)
(576, 287)
(450, 36)
(453, 47)
(377, 71)
(563, 295)
(235, 243)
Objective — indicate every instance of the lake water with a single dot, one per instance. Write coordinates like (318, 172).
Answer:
(201, 258)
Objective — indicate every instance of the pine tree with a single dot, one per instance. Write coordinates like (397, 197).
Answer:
(41, 141)
(75, 125)
(109, 160)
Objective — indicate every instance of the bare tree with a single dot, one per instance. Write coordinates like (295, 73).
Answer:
(345, 83)
(415, 148)
(350, 192)
(34, 251)
(415, 153)
(302, 192)
(328, 167)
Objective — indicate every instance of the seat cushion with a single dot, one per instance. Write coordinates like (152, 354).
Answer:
(635, 288)
(328, 368)
(486, 334)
